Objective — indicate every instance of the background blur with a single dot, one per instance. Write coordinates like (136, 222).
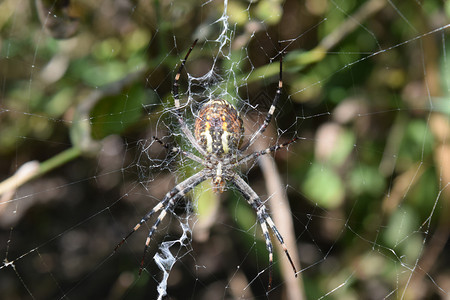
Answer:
(84, 85)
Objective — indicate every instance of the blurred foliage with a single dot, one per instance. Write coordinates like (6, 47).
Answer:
(367, 184)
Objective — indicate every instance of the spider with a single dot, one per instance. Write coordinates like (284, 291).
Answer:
(217, 137)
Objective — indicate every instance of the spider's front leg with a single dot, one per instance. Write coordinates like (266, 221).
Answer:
(167, 204)
(264, 219)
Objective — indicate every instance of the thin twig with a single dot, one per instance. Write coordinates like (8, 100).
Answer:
(281, 213)
(80, 135)
(33, 169)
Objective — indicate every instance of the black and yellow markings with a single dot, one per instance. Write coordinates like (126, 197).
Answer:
(218, 127)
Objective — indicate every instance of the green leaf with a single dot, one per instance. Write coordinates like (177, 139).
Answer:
(324, 186)
(114, 114)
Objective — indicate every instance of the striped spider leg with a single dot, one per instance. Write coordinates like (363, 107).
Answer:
(166, 205)
(218, 134)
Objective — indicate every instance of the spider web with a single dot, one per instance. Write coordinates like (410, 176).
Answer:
(85, 86)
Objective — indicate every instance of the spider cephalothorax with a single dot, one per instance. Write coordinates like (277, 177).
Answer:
(217, 137)
(219, 131)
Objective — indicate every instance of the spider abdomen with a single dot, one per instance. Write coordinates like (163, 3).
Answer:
(218, 127)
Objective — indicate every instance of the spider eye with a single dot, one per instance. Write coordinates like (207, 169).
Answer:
(218, 185)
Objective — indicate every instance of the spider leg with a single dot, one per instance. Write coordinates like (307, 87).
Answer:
(179, 150)
(177, 76)
(271, 111)
(169, 201)
(176, 97)
(264, 219)
(269, 150)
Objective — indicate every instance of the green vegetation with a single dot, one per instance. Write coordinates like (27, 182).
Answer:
(365, 87)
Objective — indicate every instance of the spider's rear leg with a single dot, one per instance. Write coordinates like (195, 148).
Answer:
(271, 111)
(269, 150)
(179, 150)
(178, 107)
